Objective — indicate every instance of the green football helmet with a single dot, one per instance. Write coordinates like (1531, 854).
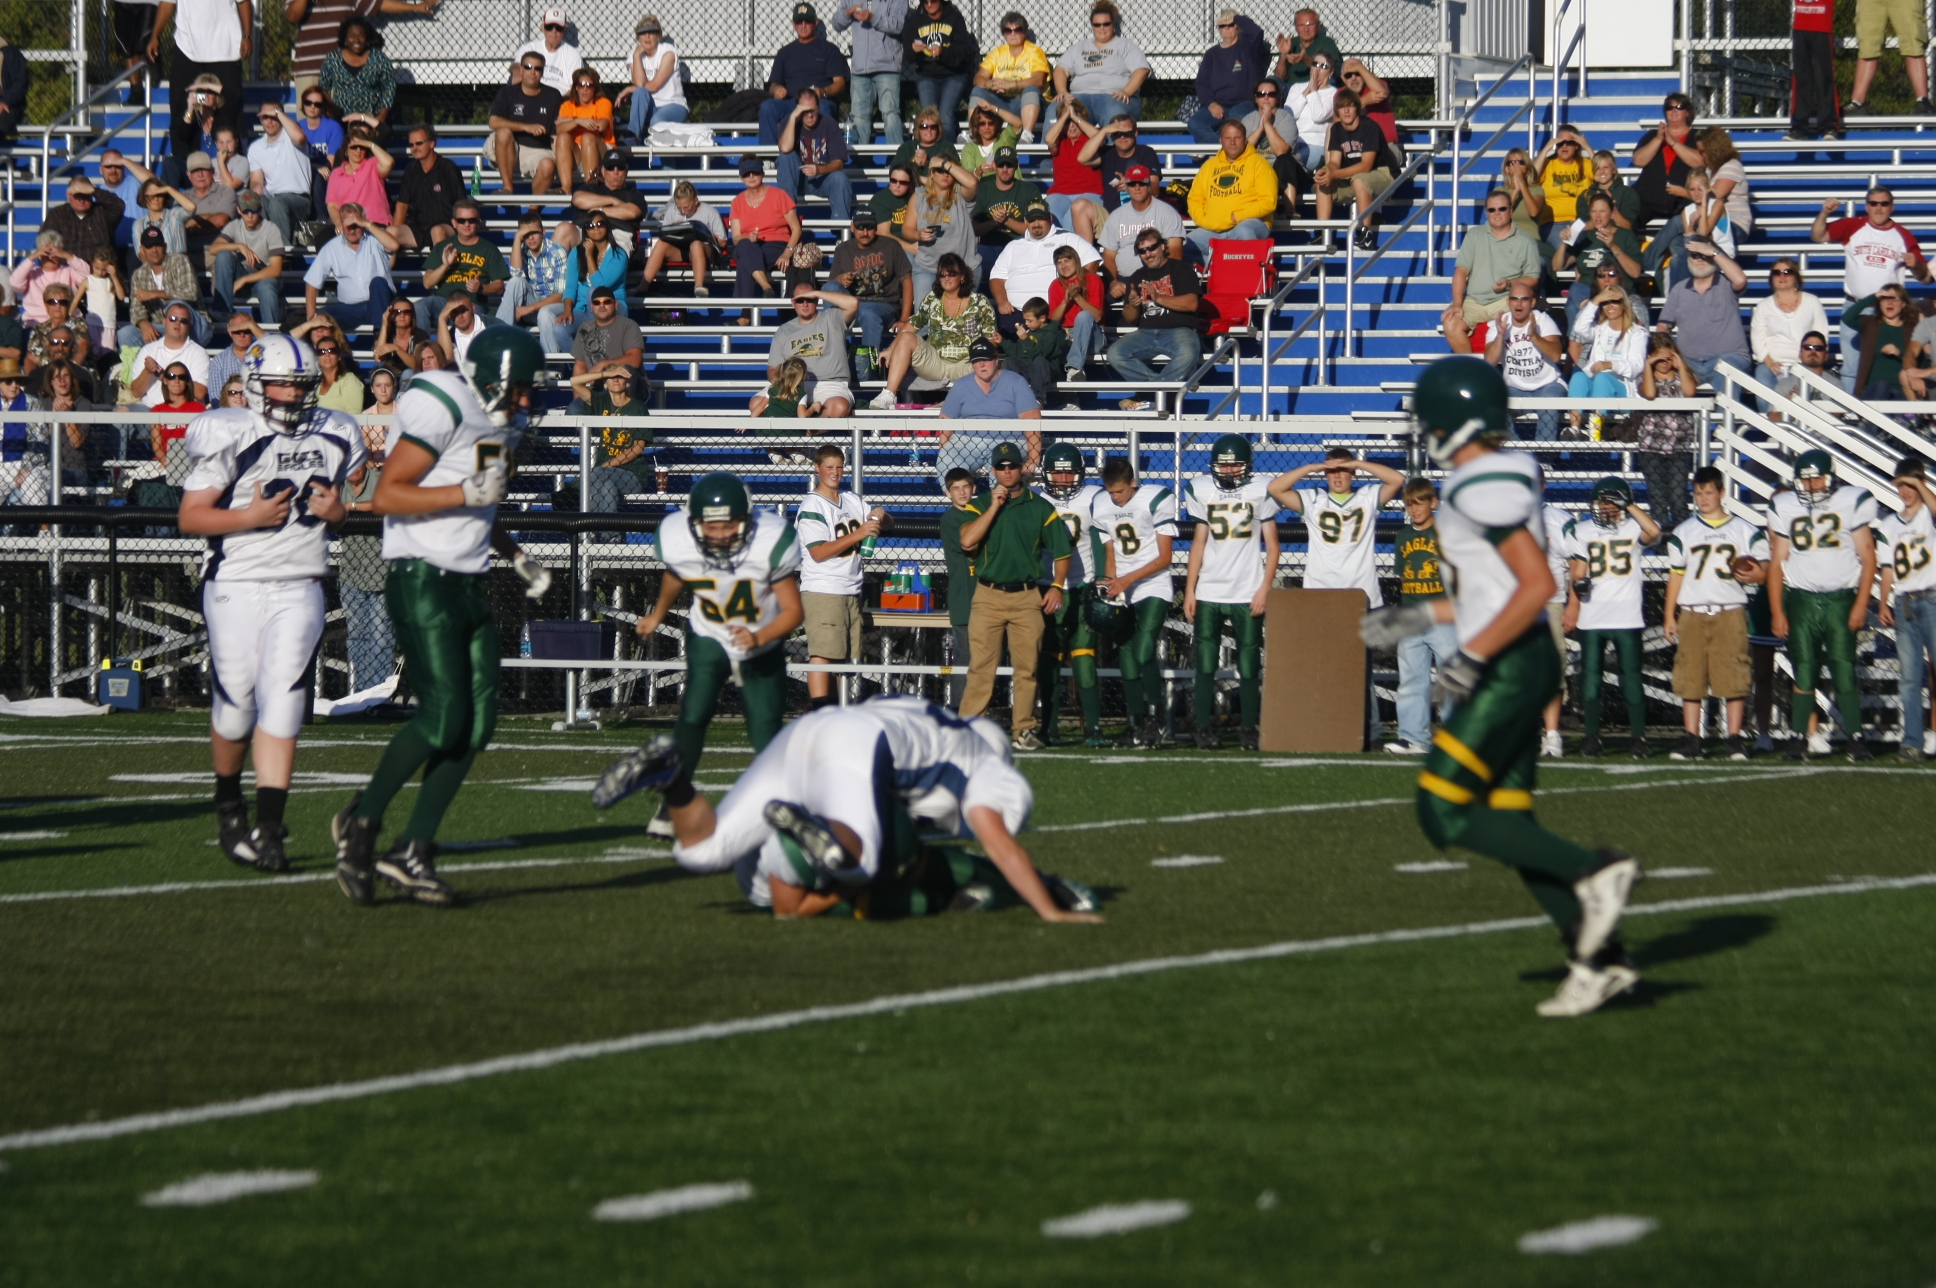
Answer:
(1106, 613)
(1456, 401)
(1230, 461)
(1814, 464)
(1062, 458)
(720, 498)
(1611, 497)
(502, 363)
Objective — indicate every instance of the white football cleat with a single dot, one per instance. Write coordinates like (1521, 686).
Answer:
(1818, 744)
(1551, 744)
(661, 824)
(1603, 896)
(1585, 990)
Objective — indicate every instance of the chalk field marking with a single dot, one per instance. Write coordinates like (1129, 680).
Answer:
(687, 1198)
(1579, 1237)
(1677, 874)
(552, 1057)
(224, 1187)
(200, 777)
(1434, 865)
(1188, 861)
(31, 836)
(465, 847)
(1117, 1218)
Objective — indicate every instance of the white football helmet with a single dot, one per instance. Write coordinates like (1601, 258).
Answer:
(282, 359)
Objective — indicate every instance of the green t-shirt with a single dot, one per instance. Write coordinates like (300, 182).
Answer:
(1416, 555)
(614, 440)
(905, 156)
(1626, 201)
(12, 336)
(888, 208)
(471, 267)
(1012, 550)
(961, 566)
(992, 203)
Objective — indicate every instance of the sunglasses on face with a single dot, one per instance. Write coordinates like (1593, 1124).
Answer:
(532, 67)
(552, 26)
(929, 125)
(1005, 466)
(905, 182)
(1499, 210)
(466, 219)
(1148, 250)
(1880, 201)
(1010, 31)
(947, 272)
(1104, 25)
(176, 321)
(1814, 348)
(313, 102)
(176, 375)
(1226, 26)
(596, 226)
(604, 302)
(1265, 93)
(327, 350)
(1697, 256)
(1782, 272)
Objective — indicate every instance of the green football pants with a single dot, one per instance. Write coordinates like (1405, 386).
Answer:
(1818, 630)
(1593, 647)
(925, 885)
(1137, 658)
(1477, 786)
(450, 649)
(1249, 632)
(762, 681)
(1067, 638)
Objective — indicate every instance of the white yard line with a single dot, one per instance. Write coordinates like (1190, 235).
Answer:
(224, 1187)
(661, 1203)
(552, 1057)
(1577, 1237)
(1117, 1218)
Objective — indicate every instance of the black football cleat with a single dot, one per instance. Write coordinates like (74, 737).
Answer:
(411, 867)
(268, 844)
(355, 853)
(232, 829)
(649, 768)
(1590, 745)
(810, 832)
(1250, 740)
(1209, 740)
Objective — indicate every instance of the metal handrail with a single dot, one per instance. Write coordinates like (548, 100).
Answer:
(1849, 402)
(47, 173)
(1559, 62)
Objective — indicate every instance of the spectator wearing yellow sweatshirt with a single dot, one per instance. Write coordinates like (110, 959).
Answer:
(1234, 194)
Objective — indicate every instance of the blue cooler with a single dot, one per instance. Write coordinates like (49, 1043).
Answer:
(119, 684)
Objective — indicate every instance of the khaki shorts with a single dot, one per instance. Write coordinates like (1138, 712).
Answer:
(1906, 16)
(1713, 655)
(833, 625)
(1553, 613)
(1475, 312)
(530, 157)
(1376, 180)
(930, 365)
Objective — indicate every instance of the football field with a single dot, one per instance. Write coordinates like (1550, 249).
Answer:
(1302, 1050)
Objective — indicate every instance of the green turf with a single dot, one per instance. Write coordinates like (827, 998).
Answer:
(1765, 1097)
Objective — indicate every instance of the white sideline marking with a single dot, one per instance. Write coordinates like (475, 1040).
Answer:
(687, 1198)
(31, 836)
(301, 778)
(221, 1187)
(1188, 861)
(1678, 874)
(1117, 1218)
(1435, 865)
(531, 1061)
(1577, 1237)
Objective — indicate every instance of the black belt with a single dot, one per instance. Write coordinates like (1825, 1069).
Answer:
(1007, 587)
(1916, 594)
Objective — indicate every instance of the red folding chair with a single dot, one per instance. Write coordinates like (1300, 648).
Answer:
(1241, 270)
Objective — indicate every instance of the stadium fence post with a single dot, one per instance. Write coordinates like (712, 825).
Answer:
(854, 463)
(584, 472)
(114, 586)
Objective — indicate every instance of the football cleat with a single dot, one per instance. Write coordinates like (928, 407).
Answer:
(978, 897)
(1603, 896)
(267, 842)
(648, 769)
(232, 828)
(810, 832)
(1551, 744)
(1250, 740)
(411, 867)
(1590, 745)
(1097, 740)
(1585, 990)
(1818, 744)
(1797, 749)
(1737, 748)
(1209, 740)
(355, 845)
(1151, 733)
(1071, 896)
(1405, 749)
(1689, 748)
(1859, 752)
(1638, 749)
(1910, 755)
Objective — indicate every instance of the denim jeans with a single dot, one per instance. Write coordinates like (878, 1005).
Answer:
(875, 319)
(1131, 354)
(1703, 368)
(836, 188)
(285, 210)
(610, 486)
(1851, 352)
(1416, 658)
(883, 88)
(518, 293)
(1547, 427)
(1205, 128)
(945, 93)
(1062, 205)
(1242, 230)
(266, 295)
(368, 312)
(1103, 108)
(773, 119)
(646, 114)
(372, 639)
(1915, 641)
(1013, 104)
(1085, 340)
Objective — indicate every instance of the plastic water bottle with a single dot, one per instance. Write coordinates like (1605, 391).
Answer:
(524, 641)
(867, 545)
(477, 176)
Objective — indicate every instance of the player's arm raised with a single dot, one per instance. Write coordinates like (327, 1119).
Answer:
(1006, 853)
(1283, 488)
(1390, 481)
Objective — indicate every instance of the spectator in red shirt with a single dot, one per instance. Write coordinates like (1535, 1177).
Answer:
(1075, 304)
(1075, 193)
(1879, 252)
(1813, 107)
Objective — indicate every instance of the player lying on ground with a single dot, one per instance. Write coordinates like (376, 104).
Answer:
(743, 570)
(826, 816)
(1477, 787)
(264, 486)
(447, 465)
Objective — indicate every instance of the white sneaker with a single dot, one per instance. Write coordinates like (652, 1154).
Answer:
(1551, 744)
(1028, 136)
(1585, 990)
(1072, 375)
(1929, 742)
(882, 401)
(1402, 748)
(702, 293)
(1603, 896)
(1818, 744)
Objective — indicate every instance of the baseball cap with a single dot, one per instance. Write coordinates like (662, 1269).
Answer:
(1005, 155)
(1038, 210)
(249, 201)
(803, 12)
(984, 350)
(604, 293)
(866, 219)
(750, 164)
(151, 236)
(615, 156)
(200, 161)
(554, 18)
(1137, 174)
(1004, 453)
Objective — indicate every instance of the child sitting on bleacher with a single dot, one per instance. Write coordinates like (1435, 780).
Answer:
(782, 399)
(1039, 350)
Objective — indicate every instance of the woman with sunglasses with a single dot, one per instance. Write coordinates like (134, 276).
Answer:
(1778, 323)
(1104, 70)
(339, 389)
(358, 179)
(941, 221)
(234, 393)
(323, 137)
(1565, 173)
(987, 131)
(398, 337)
(1883, 322)
(1664, 155)
(765, 227)
(658, 91)
(1607, 365)
(585, 129)
(935, 341)
(177, 395)
(1076, 188)
(1601, 244)
(359, 77)
(1012, 77)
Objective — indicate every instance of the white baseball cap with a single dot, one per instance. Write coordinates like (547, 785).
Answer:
(554, 18)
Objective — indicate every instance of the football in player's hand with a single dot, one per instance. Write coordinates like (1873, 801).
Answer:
(1746, 567)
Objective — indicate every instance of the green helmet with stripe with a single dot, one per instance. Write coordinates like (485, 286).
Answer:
(720, 498)
(1458, 401)
(501, 364)
(1810, 465)
(1106, 613)
(1612, 496)
(1064, 459)
(1230, 461)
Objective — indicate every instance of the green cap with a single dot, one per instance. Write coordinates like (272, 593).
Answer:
(1006, 454)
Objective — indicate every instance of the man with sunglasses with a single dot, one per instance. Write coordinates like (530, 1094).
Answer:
(172, 346)
(1116, 144)
(1225, 73)
(428, 188)
(1159, 316)
(1527, 347)
(1493, 259)
(524, 117)
(1879, 252)
(1706, 309)
(223, 363)
(1026, 266)
(469, 262)
(359, 259)
(808, 61)
(612, 194)
(1126, 223)
(561, 60)
(1001, 205)
(1664, 155)
(1294, 53)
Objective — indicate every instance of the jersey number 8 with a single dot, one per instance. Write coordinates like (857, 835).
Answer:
(1911, 556)
(1126, 539)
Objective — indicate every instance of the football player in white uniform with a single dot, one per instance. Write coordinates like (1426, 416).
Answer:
(1069, 638)
(447, 463)
(264, 486)
(1909, 593)
(1139, 525)
(1822, 562)
(743, 568)
(1557, 525)
(1233, 560)
(825, 817)
(833, 523)
(1605, 603)
(1477, 786)
(1707, 612)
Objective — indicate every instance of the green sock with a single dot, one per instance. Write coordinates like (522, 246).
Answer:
(1088, 695)
(1798, 712)
(441, 781)
(1555, 898)
(692, 744)
(1133, 696)
(1849, 706)
(1206, 687)
(405, 755)
(1637, 717)
(1250, 699)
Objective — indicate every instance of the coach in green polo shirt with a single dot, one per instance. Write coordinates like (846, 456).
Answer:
(1010, 529)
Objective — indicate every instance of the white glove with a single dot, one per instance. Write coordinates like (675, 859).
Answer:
(1457, 679)
(488, 485)
(537, 577)
(1384, 627)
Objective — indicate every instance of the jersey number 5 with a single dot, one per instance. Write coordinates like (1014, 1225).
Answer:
(1604, 557)
(1231, 520)
(739, 601)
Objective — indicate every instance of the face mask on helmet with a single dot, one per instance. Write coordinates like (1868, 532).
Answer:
(1064, 472)
(1230, 474)
(1814, 478)
(280, 360)
(1607, 512)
